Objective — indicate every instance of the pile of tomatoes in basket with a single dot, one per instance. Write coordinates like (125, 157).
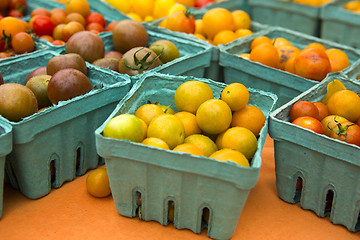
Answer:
(12, 8)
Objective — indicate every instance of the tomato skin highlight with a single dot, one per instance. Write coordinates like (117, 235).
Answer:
(349, 132)
(310, 123)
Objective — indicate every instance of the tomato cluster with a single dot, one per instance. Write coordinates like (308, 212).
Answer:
(12, 8)
(58, 25)
(338, 118)
(14, 37)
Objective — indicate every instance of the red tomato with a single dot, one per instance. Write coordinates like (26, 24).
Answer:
(310, 123)
(42, 25)
(15, 13)
(358, 122)
(95, 26)
(347, 131)
(303, 108)
(202, 3)
(95, 18)
(323, 110)
(181, 22)
(111, 25)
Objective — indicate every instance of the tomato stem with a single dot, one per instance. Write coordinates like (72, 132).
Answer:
(141, 65)
(7, 39)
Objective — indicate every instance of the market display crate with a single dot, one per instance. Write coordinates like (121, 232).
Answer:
(284, 84)
(193, 61)
(192, 183)
(228, 4)
(327, 168)
(5, 149)
(295, 16)
(340, 25)
(214, 71)
(61, 135)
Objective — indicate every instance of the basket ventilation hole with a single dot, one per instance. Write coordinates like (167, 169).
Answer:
(138, 204)
(357, 226)
(52, 172)
(171, 211)
(298, 190)
(205, 218)
(328, 202)
(78, 159)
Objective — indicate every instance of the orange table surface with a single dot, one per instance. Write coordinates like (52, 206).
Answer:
(71, 213)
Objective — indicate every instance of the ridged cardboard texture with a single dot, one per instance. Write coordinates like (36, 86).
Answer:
(298, 17)
(5, 149)
(62, 134)
(328, 168)
(340, 25)
(259, 76)
(191, 182)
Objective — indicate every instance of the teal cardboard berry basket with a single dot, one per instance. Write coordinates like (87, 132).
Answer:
(327, 169)
(284, 84)
(299, 17)
(340, 25)
(191, 183)
(5, 149)
(60, 137)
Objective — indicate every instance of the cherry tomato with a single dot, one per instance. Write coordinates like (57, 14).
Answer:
(40, 12)
(4, 55)
(11, 26)
(22, 43)
(347, 131)
(310, 123)
(42, 25)
(15, 13)
(4, 4)
(95, 17)
(70, 29)
(303, 108)
(202, 3)
(181, 22)
(58, 42)
(95, 26)
(111, 25)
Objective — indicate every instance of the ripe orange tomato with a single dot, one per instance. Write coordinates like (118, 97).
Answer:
(346, 131)
(181, 22)
(310, 123)
(303, 108)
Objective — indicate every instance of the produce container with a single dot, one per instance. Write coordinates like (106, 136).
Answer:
(228, 4)
(327, 168)
(60, 137)
(5, 149)
(214, 70)
(340, 25)
(192, 183)
(194, 57)
(295, 16)
(256, 75)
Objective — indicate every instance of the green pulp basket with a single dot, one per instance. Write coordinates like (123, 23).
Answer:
(192, 183)
(5, 149)
(61, 135)
(340, 25)
(328, 169)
